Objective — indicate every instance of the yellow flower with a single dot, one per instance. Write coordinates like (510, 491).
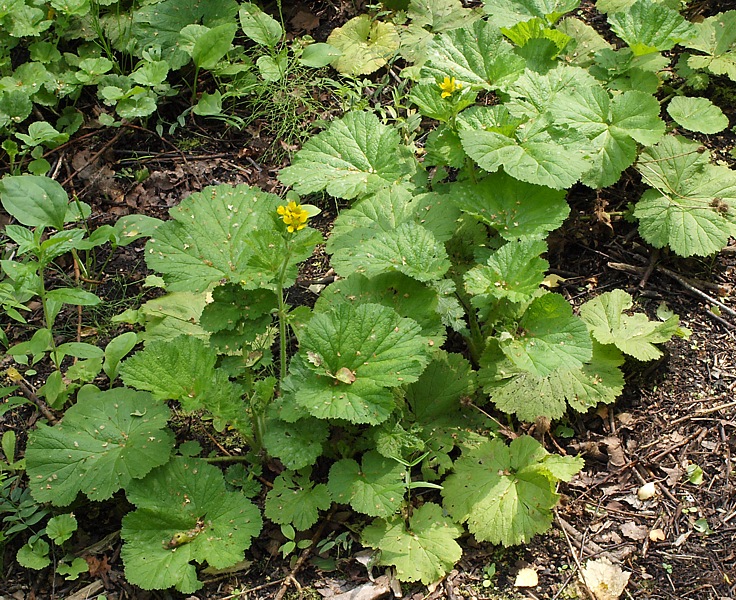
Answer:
(293, 216)
(449, 86)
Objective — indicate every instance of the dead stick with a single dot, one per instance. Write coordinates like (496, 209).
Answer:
(31, 395)
(681, 280)
(94, 157)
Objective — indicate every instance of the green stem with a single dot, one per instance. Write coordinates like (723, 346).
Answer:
(282, 317)
(48, 323)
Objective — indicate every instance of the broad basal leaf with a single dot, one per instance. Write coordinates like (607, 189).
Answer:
(440, 15)
(226, 233)
(372, 343)
(356, 155)
(366, 45)
(547, 338)
(181, 369)
(106, 440)
(505, 493)
(529, 396)
(507, 13)
(692, 207)
(263, 29)
(515, 271)
(613, 127)
(440, 389)
(375, 488)
(537, 154)
(476, 55)
(586, 41)
(513, 208)
(633, 334)
(424, 550)
(716, 38)
(296, 500)
(184, 514)
(406, 296)
(298, 444)
(697, 114)
(409, 249)
(649, 26)
(160, 25)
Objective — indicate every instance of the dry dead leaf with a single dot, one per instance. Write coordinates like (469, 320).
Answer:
(526, 577)
(633, 531)
(616, 455)
(305, 20)
(657, 535)
(605, 580)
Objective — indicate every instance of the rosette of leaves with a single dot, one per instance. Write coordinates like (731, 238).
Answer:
(506, 493)
(184, 514)
(227, 234)
(106, 440)
(350, 359)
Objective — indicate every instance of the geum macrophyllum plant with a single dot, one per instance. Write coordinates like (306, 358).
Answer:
(368, 409)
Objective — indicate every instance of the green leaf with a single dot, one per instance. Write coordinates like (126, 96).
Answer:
(263, 29)
(75, 296)
(380, 348)
(406, 296)
(375, 487)
(424, 550)
(410, 249)
(318, 55)
(649, 26)
(180, 369)
(515, 271)
(440, 388)
(613, 127)
(295, 499)
(715, 37)
(632, 334)
(184, 514)
(34, 556)
(212, 45)
(537, 154)
(106, 440)
(697, 114)
(227, 233)
(691, 208)
(42, 133)
(117, 349)
(365, 45)
(168, 317)
(586, 41)
(505, 493)
(513, 208)
(476, 55)
(15, 107)
(297, 444)
(547, 338)
(273, 68)
(356, 155)
(34, 201)
(507, 13)
(73, 570)
(160, 25)
(529, 396)
(60, 528)
(440, 15)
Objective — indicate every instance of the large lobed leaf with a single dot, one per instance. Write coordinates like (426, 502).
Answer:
(716, 38)
(226, 234)
(184, 514)
(424, 549)
(296, 500)
(506, 493)
(355, 354)
(106, 440)
(355, 155)
(648, 26)
(691, 209)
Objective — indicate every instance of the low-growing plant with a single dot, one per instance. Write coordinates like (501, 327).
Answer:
(365, 405)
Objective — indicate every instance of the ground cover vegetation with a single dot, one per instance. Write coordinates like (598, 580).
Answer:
(398, 392)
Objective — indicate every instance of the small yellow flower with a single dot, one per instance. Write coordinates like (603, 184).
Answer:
(293, 216)
(449, 86)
